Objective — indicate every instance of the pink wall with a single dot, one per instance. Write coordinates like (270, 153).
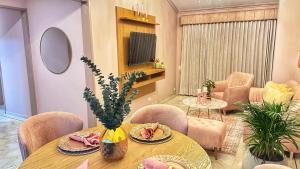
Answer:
(287, 42)
(14, 71)
(58, 92)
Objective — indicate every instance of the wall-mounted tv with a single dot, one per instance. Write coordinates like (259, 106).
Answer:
(142, 47)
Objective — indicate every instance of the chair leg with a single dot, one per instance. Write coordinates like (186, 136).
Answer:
(216, 153)
(224, 112)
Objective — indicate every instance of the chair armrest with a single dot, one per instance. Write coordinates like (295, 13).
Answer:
(256, 95)
(220, 86)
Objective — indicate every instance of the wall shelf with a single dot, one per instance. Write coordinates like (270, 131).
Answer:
(139, 19)
(152, 76)
(127, 22)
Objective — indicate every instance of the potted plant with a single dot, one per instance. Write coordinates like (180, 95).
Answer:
(209, 85)
(113, 110)
(269, 127)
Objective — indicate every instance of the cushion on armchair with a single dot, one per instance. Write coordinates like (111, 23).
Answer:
(277, 93)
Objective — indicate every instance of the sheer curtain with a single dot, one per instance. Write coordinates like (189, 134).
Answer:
(213, 51)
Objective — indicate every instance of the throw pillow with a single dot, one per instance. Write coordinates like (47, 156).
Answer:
(277, 93)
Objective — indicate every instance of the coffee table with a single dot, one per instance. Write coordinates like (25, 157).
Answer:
(212, 104)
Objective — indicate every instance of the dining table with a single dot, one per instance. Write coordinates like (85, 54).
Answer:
(48, 157)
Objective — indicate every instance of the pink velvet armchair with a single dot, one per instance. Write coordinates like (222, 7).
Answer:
(233, 90)
(40, 129)
(168, 115)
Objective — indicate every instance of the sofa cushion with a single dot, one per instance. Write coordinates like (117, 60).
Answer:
(277, 93)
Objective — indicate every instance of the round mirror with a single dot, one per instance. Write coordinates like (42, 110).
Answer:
(55, 50)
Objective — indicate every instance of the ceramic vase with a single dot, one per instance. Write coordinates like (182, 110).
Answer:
(113, 144)
(250, 161)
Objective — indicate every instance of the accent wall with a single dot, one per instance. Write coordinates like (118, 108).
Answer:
(104, 41)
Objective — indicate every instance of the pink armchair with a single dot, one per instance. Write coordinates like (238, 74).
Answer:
(234, 89)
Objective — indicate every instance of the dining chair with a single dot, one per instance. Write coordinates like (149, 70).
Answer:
(271, 166)
(41, 129)
(164, 114)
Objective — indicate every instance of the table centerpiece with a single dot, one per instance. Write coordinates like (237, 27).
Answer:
(113, 110)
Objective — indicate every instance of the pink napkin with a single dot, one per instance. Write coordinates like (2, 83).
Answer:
(84, 165)
(148, 133)
(90, 140)
(152, 163)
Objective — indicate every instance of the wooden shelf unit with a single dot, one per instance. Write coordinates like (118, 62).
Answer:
(139, 19)
(127, 22)
(152, 76)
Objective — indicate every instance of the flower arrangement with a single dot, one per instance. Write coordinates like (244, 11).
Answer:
(116, 104)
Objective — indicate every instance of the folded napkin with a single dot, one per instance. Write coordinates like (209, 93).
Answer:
(152, 163)
(91, 140)
(84, 165)
(148, 133)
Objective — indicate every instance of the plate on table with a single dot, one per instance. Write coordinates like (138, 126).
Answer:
(163, 132)
(68, 145)
(172, 161)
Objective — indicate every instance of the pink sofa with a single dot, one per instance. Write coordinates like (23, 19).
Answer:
(256, 94)
(233, 90)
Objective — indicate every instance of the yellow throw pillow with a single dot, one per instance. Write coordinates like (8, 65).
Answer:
(277, 93)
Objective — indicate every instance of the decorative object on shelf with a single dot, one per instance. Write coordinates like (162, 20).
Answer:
(55, 50)
(269, 127)
(115, 107)
(140, 10)
(208, 86)
(157, 64)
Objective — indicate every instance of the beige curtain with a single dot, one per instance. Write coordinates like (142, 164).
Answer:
(213, 51)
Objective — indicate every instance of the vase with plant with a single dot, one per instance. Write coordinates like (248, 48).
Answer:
(208, 87)
(114, 108)
(269, 126)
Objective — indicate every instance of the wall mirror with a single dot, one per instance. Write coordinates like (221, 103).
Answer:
(55, 50)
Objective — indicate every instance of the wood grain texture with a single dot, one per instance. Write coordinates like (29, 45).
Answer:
(128, 21)
(230, 16)
(47, 157)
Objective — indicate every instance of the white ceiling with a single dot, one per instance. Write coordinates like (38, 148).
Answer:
(189, 5)
(8, 18)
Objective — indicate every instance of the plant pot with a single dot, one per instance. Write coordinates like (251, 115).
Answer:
(113, 144)
(250, 161)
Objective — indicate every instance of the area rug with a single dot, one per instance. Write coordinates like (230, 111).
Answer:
(233, 123)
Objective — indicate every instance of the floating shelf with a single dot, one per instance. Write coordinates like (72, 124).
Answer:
(152, 76)
(139, 19)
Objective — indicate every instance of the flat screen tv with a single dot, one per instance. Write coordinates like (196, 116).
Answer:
(142, 47)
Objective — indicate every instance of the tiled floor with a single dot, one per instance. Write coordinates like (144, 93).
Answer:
(10, 157)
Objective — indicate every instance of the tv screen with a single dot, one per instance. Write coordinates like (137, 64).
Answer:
(142, 47)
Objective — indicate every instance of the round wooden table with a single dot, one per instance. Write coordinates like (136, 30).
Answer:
(48, 157)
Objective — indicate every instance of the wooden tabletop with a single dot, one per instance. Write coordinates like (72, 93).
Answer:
(48, 157)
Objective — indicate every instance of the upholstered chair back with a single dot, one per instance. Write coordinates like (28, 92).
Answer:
(239, 79)
(40, 129)
(168, 115)
(271, 166)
